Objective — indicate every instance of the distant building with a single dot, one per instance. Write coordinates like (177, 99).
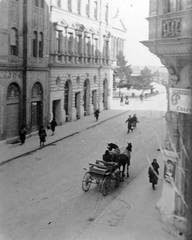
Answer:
(56, 60)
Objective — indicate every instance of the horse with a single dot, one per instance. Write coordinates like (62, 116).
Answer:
(123, 159)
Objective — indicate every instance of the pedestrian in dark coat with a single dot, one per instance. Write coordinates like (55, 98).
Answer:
(121, 99)
(96, 113)
(53, 125)
(153, 171)
(22, 134)
(130, 124)
(42, 135)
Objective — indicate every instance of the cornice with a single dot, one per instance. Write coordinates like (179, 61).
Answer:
(56, 65)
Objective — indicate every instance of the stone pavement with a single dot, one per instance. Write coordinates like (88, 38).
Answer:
(133, 214)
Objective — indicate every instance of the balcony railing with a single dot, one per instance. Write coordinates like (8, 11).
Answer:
(171, 27)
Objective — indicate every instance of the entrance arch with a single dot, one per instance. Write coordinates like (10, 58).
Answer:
(13, 109)
(36, 106)
(68, 100)
(105, 93)
(86, 97)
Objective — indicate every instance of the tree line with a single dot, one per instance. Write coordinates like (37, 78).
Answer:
(122, 76)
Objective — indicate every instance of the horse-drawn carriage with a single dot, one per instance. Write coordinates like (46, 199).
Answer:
(104, 172)
(101, 173)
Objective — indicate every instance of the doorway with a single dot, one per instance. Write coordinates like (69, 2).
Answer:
(77, 104)
(94, 99)
(56, 110)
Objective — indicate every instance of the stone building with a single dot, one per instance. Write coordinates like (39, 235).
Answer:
(170, 35)
(85, 39)
(56, 60)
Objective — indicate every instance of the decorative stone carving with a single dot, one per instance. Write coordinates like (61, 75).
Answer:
(35, 19)
(10, 75)
(171, 27)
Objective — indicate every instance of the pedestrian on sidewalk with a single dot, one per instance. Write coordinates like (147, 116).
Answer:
(53, 125)
(126, 100)
(22, 134)
(153, 173)
(121, 99)
(42, 135)
(96, 113)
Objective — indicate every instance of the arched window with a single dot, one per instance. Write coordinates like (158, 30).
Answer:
(13, 91)
(41, 45)
(35, 44)
(14, 42)
(36, 3)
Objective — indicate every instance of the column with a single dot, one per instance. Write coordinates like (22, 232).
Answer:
(76, 48)
(66, 46)
(62, 46)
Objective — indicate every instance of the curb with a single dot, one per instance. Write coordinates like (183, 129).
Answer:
(60, 139)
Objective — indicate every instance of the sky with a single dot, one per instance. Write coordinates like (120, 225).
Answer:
(134, 16)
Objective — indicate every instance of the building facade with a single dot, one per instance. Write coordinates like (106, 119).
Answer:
(170, 38)
(84, 45)
(56, 60)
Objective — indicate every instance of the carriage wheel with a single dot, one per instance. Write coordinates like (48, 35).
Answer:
(117, 179)
(106, 185)
(86, 182)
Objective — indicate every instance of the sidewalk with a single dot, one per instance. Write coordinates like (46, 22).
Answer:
(133, 214)
(10, 152)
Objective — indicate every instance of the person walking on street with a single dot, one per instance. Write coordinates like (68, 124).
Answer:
(22, 134)
(42, 135)
(53, 125)
(121, 100)
(127, 100)
(96, 113)
(153, 173)
(135, 120)
(129, 122)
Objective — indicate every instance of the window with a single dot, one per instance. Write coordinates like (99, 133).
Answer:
(95, 9)
(79, 6)
(58, 3)
(79, 44)
(181, 5)
(42, 3)
(88, 44)
(70, 43)
(96, 47)
(69, 5)
(87, 7)
(106, 13)
(58, 41)
(41, 45)
(36, 3)
(35, 44)
(14, 42)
